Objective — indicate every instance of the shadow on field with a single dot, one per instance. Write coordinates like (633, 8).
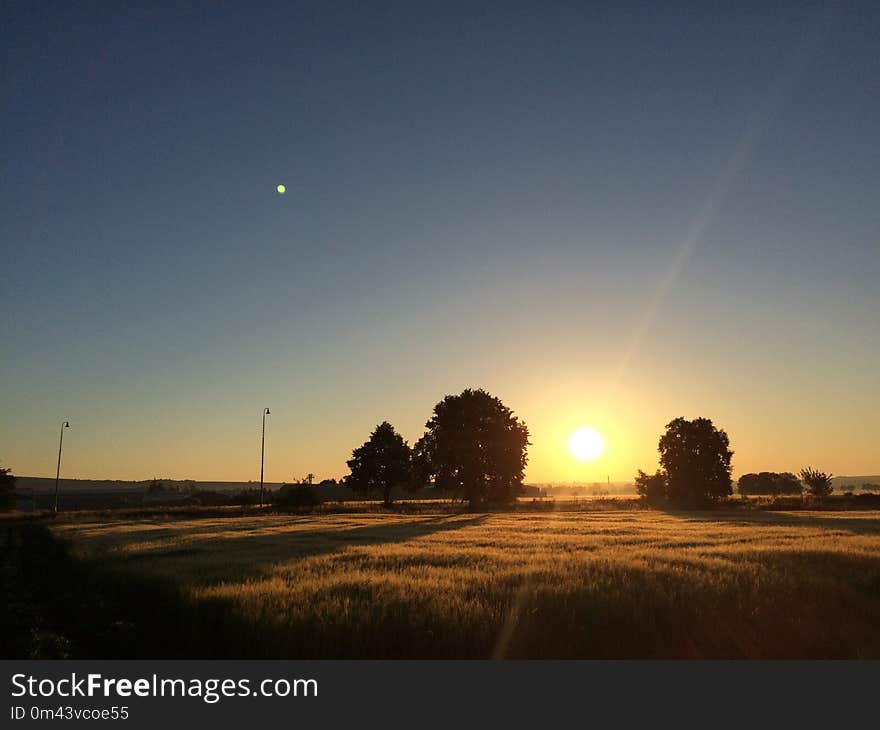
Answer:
(60, 606)
(854, 525)
(254, 550)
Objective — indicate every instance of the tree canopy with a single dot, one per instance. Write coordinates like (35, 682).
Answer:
(818, 482)
(694, 464)
(474, 447)
(696, 458)
(770, 482)
(381, 464)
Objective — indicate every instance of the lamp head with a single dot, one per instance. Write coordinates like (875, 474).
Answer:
(267, 412)
(66, 424)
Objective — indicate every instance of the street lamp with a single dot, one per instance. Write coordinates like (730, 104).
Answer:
(64, 424)
(263, 454)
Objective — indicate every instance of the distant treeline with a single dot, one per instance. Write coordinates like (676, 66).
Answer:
(770, 482)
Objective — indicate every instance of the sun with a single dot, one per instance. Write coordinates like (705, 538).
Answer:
(586, 444)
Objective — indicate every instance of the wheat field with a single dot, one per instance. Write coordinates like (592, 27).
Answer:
(627, 583)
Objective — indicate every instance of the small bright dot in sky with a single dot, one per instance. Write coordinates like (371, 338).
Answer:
(281, 189)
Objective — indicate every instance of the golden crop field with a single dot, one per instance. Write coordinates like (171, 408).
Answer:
(626, 583)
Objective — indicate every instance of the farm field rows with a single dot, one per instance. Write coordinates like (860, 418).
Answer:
(626, 583)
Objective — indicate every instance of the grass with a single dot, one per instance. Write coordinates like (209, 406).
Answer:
(563, 584)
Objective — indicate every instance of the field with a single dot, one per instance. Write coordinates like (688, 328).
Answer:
(614, 583)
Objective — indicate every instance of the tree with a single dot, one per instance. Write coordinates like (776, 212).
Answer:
(381, 464)
(818, 482)
(474, 448)
(7, 490)
(696, 460)
(652, 487)
(769, 482)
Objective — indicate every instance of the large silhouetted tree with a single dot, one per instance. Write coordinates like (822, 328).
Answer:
(475, 448)
(381, 464)
(696, 459)
(7, 490)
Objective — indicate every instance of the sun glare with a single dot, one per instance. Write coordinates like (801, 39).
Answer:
(586, 444)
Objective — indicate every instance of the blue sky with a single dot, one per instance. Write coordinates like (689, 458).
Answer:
(477, 195)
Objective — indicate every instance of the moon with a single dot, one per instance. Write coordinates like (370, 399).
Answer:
(586, 444)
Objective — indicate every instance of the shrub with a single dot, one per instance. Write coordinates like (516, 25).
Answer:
(818, 482)
(245, 497)
(296, 498)
(651, 487)
(208, 498)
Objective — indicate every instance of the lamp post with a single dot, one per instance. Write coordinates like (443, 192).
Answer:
(64, 424)
(263, 454)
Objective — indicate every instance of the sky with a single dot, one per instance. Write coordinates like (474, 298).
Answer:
(606, 214)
